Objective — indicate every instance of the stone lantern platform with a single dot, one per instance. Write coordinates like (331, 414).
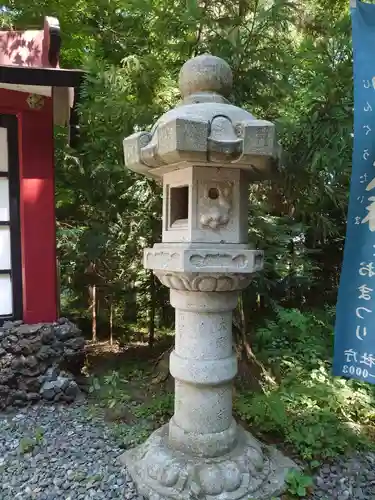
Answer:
(206, 152)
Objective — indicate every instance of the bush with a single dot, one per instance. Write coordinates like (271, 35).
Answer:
(319, 415)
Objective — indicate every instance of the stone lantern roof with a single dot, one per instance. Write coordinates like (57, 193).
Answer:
(205, 129)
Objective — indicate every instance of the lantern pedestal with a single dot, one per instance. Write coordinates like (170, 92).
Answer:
(249, 471)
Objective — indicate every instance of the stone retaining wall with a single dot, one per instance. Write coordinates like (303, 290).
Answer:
(39, 362)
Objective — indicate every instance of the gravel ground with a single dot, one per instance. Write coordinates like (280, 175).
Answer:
(76, 459)
(60, 452)
(349, 478)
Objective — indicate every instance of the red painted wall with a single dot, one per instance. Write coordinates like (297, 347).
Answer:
(37, 205)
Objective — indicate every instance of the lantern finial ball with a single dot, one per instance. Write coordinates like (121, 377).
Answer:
(205, 73)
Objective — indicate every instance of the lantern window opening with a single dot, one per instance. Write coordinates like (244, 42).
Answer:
(178, 207)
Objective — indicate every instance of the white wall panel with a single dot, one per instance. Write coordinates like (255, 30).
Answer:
(5, 248)
(3, 149)
(4, 200)
(6, 301)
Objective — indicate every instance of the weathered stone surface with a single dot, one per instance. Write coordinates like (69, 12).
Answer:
(36, 362)
(206, 128)
(249, 470)
(186, 258)
(205, 151)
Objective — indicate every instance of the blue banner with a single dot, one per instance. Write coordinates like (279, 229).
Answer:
(354, 355)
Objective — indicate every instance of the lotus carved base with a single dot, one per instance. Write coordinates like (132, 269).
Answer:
(250, 471)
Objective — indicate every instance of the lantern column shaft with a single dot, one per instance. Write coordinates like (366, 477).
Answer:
(203, 365)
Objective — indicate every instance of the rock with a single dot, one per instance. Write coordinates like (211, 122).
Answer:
(358, 493)
(51, 374)
(75, 344)
(30, 372)
(17, 363)
(67, 375)
(19, 403)
(72, 389)
(54, 389)
(58, 396)
(326, 469)
(62, 383)
(4, 392)
(67, 399)
(30, 385)
(20, 395)
(47, 391)
(45, 352)
(14, 349)
(33, 396)
(7, 377)
(33, 356)
(27, 347)
(27, 330)
(344, 495)
(64, 332)
(5, 344)
(31, 362)
(48, 335)
(83, 383)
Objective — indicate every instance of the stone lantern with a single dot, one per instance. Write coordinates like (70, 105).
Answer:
(205, 152)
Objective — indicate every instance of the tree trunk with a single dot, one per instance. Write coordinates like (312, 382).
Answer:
(251, 372)
(93, 313)
(161, 367)
(155, 225)
(151, 312)
(58, 291)
(111, 323)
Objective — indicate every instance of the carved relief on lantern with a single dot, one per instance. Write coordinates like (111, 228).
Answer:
(35, 101)
(216, 205)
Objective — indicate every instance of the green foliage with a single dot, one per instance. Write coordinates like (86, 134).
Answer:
(128, 436)
(298, 483)
(112, 392)
(318, 415)
(27, 444)
(110, 389)
(159, 409)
